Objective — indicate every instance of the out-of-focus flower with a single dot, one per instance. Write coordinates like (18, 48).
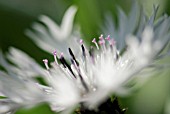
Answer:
(92, 76)
(17, 89)
(134, 23)
(49, 36)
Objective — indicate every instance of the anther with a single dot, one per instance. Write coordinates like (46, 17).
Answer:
(94, 41)
(73, 57)
(108, 38)
(61, 54)
(66, 65)
(91, 52)
(55, 52)
(101, 37)
(101, 42)
(55, 56)
(81, 41)
(83, 51)
(112, 42)
(46, 63)
(62, 62)
(83, 82)
(117, 55)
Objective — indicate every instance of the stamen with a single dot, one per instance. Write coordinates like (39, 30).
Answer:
(83, 51)
(66, 65)
(82, 47)
(61, 60)
(101, 37)
(94, 41)
(81, 41)
(73, 57)
(102, 42)
(112, 42)
(91, 52)
(79, 74)
(117, 55)
(76, 64)
(61, 54)
(55, 52)
(46, 63)
(84, 56)
(108, 38)
(83, 82)
(55, 56)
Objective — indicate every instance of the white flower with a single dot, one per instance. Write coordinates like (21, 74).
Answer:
(96, 75)
(19, 92)
(17, 86)
(52, 36)
(92, 76)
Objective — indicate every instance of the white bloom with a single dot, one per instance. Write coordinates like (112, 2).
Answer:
(18, 87)
(26, 66)
(90, 78)
(20, 92)
(53, 36)
(95, 75)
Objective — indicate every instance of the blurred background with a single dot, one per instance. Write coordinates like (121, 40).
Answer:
(18, 15)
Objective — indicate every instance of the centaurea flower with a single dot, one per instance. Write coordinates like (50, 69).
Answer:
(104, 69)
(17, 87)
(97, 74)
(49, 35)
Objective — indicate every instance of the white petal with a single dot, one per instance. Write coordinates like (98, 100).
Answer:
(24, 62)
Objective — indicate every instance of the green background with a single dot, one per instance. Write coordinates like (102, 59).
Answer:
(18, 15)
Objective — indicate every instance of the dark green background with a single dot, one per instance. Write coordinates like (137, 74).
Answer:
(18, 15)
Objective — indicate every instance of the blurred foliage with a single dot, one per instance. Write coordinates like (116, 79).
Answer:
(151, 98)
(40, 109)
(17, 15)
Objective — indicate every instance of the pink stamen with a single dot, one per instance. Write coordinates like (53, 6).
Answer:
(101, 37)
(94, 41)
(108, 37)
(55, 56)
(45, 60)
(46, 63)
(55, 52)
(101, 42)
(81, 41)
(112, 42)
(62, 54)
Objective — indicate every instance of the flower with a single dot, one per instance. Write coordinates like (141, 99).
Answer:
(49, 35)
(93, 74)
(92, 77)
(17, 87)
(18, 92)
(108, 69)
